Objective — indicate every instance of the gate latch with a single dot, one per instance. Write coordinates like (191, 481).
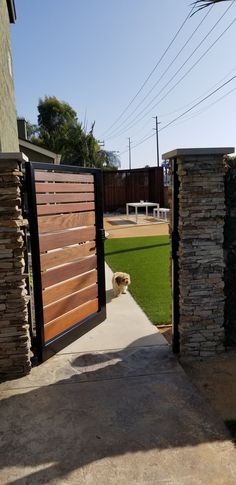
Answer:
(102, 234)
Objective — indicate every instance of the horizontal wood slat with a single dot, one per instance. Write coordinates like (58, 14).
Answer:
(59, 308)
(65, 238)
(62, 177)
(67, 221)
(65, 322)
(64, 208)
(55, 293)
(58, 188)
(55, 198)
(66, 255)
(62, 273)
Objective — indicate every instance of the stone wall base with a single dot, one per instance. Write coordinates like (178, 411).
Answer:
(14, 327)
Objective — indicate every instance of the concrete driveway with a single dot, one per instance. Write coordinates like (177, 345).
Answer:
(115, 407)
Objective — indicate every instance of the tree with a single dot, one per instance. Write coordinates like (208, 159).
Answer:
(81, 148)
(59, 130)
(110, 160)
(200, 4)
(54, 121)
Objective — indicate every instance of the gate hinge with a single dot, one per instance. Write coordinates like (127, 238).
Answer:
(102, 234)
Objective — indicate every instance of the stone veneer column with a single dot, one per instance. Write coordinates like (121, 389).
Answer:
(200, 252)
(14, 328)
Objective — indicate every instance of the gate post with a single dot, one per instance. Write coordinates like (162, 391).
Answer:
(14, 328)
(200, 252)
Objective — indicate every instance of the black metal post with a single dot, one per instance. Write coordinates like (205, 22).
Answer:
(175, 260)
(100, 238)
(35, 254)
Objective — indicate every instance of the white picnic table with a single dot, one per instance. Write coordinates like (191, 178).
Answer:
(137, 205)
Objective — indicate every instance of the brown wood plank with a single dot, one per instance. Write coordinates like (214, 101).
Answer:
(68, 221)
(62, 177)
(66, 255)
(59, 308)
(65, 322)
(58, 187)
(55, 198)
(66, 272)
(64, 208)
(55, 293)
(65, 238)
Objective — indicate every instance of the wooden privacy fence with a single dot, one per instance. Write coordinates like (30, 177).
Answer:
(65, 212)
(132, 186)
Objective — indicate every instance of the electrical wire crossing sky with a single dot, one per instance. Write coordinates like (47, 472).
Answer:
(121, 67)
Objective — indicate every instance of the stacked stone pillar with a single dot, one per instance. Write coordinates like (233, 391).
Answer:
(200, 250)
(14, 328)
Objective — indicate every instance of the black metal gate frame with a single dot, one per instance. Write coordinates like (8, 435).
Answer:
(41, 349)
(175, 257)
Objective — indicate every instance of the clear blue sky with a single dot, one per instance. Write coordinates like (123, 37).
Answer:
(96, 54)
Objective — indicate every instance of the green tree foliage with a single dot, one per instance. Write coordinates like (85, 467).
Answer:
(200, 4)
(110, 159)
(59, 130)
(54, 121)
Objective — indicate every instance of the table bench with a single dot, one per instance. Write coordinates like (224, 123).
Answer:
(161, 213)
(137, 205)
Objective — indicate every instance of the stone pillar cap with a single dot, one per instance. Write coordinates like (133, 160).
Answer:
(183, 152)
(20, 157)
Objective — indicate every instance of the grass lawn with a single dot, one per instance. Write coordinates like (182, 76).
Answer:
(146, 259)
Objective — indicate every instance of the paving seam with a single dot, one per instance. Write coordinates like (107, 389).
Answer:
(91, 381)
(115, 349)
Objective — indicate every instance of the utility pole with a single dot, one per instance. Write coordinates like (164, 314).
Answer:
(129, 154)
(156, 129)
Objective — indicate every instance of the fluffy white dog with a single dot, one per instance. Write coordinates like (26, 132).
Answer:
(120, 283)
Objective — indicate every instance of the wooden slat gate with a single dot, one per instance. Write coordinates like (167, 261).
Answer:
(65, 211)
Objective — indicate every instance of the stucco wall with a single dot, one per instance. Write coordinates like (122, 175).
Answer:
(8, 125)
(34, 156)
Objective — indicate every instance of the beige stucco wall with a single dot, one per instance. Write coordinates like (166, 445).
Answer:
(8, 125)
(34, 156)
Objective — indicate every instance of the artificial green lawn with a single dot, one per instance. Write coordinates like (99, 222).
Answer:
(147, 261)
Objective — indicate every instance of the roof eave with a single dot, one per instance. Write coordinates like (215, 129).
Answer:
(11, 10)
(32, 146)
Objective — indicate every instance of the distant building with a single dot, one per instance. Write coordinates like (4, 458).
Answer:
(8, 125)
(35, 153)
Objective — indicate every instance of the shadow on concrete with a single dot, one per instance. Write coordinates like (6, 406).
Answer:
(121, 222)
(109, 296)
(112, 404)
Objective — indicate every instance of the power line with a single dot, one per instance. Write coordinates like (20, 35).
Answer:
(163, 74)
(151, 73)
(207, 107)
(188, 110)
(199, 102)
(130, 125)
(199, 97)
(193, 101)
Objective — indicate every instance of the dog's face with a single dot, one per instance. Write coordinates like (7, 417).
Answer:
(123, 279)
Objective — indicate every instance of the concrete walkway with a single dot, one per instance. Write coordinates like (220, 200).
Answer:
(115, 407)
